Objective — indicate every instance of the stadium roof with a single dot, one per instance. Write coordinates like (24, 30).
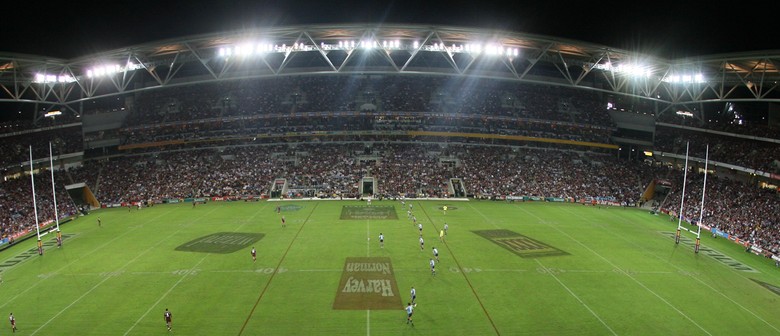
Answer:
(389, 49)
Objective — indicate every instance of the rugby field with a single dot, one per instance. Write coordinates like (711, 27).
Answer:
(504, 269)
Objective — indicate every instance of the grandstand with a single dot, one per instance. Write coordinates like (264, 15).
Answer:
(447, 88)
(506, 115)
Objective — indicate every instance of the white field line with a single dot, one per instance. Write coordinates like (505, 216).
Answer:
(552, 274)
(183, 276)
(705, 284)
(7, 269)
(627, 274)
(74, 261)
(192, 269)
(556, 279)
(268, 270)
(103, 281)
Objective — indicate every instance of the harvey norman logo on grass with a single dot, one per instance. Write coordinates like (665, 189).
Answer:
(367, 283)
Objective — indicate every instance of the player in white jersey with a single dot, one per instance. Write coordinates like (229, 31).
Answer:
(422, 243)
(436, 253)
(413, 294)
(381, 240)
(409, 311)
(433, 267)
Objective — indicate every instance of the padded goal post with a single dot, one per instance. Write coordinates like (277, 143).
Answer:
(680, 228)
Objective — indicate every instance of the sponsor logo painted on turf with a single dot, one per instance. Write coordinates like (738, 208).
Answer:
(722, 258)
(367, 283)
(368, 212)
(772, 288)
(520, 245)
(21, 257)
(221, 242)
(290, 207)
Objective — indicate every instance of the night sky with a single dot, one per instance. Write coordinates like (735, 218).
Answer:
(667, 29)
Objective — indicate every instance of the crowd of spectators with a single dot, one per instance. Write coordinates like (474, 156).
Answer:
(378, 108)
(17, 213)
(758, 128)
(22, 125)
(401, 169)
(741, 210)
(299, 104)
(404, 169)
(15, 149)
(749, 153)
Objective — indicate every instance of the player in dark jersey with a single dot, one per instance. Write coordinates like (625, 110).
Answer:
(168, 318)
(12, 319)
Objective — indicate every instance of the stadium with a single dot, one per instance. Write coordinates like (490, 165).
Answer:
(569, 188)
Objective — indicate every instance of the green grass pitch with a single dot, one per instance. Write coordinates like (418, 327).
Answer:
(505, 269)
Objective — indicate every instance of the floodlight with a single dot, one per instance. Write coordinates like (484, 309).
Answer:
(492, 49)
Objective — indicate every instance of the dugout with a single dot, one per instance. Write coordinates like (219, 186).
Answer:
(368, 187)
(82, 195)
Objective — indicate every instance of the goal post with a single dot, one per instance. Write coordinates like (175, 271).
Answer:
(682, 198)
(703, 193)
(54, 197)
(699, 223)
(35, 205)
